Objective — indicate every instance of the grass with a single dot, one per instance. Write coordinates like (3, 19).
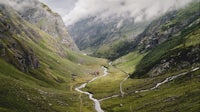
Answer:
(108, 85)
(180, 95)
(128, 62)
(51, 86)
(189, 38)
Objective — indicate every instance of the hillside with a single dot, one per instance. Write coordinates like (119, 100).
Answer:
(106, 38)
(38, 73)
(45, 19)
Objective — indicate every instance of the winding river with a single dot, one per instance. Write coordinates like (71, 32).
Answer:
(96, 101)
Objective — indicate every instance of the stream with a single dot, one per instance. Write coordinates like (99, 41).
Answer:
(168, 79)
(96, 101)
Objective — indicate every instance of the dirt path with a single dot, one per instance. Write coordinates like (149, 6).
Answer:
(121, 83)
(168, 79)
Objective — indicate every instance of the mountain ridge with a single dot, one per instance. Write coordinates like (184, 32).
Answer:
(44, 18)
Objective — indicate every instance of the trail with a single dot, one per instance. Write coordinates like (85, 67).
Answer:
(168, 79)
(121, 86)
(96, 101)
(121, 83)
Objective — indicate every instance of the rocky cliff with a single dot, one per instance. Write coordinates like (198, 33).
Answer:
(44, 18)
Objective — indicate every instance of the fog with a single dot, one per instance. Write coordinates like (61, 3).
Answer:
(140, 10)
(73, 11)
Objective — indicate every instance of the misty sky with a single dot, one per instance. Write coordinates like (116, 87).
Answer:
(60, 6)
(141, 10)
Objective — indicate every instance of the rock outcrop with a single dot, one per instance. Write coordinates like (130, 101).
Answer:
(177, 61)
(11, 49)
(164, 28)
(45, 19)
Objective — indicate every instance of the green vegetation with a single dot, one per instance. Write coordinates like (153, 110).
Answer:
(129, 62)
(108, 85)
(26, 88)
(48, 86)
(169, 49)
(178, 95)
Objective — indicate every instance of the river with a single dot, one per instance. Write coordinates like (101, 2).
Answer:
(96, 101)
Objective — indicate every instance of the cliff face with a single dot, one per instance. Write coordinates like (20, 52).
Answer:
(44, 18)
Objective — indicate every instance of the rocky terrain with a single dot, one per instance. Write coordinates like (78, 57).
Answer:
(45, 19)
(106, 38)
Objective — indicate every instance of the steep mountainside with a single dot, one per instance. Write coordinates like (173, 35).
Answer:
(105, 38)
(37, 73)
(169, 42)
(172, 41)
(45, 19)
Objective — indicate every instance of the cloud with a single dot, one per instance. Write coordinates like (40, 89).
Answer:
(19, 5)
(74, 10)
(140, 10)
(60, 6)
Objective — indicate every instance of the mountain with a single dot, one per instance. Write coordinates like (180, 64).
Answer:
(45, 19)
(105, 38)
(172, 42)
(37, 72)
(168, 42)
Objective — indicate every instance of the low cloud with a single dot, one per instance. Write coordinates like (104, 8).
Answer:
(19, 5)
(73, 11)
(62, 7)
(140, 10)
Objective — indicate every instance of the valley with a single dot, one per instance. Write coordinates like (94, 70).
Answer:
(119, 65)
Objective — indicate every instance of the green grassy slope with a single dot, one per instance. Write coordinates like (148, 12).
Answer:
(49, 87)
(181, 95)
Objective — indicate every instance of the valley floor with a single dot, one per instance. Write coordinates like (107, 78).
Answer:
(118, 93)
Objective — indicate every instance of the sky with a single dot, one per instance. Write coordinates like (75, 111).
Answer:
(60, 6)
(73, 11)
